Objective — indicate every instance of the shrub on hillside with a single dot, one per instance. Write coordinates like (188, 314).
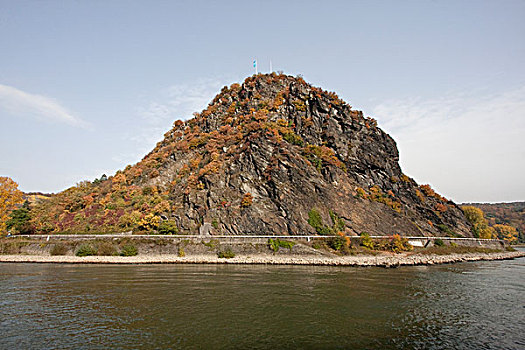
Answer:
(86, 250)
(168, 227)
(106, 249)
(247, 200)
(59, 249)
(366, 241)
(129, 250)
(275, 244)
(438, 242)
(226, 254)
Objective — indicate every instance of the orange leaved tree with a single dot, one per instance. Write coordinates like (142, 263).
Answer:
(10, 197)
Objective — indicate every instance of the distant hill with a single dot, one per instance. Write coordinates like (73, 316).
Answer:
(36, 197)
(273, 155)
(512, 214)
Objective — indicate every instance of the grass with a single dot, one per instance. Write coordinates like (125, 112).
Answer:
(11, 247)
(181, 252)
(59, 249)
(438, 242)
(276, 244)
(211, 244)
(226, 254)
(388, 244)
(86, 249)
(106, 248)
(129, 250)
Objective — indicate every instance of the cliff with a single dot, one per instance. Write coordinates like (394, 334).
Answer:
(274, 155)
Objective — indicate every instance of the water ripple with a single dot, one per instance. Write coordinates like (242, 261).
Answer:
(462, 306)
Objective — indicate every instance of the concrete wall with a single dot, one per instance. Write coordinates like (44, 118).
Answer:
(255, 240)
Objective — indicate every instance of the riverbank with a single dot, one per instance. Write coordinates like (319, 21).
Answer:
(382, 260)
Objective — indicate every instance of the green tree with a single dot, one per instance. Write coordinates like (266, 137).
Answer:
(168, 227)
(19, 220)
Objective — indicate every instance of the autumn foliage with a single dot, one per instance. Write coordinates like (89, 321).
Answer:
(10, 198)
(480, 226)
(506, 232)
(176, 178)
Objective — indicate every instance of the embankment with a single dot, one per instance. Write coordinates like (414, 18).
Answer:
(112, 249)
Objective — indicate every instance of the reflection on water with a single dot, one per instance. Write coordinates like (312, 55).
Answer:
(465, 306)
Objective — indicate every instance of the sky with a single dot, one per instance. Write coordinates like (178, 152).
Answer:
(88, 87)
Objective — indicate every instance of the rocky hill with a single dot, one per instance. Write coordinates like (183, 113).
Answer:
(274, 155)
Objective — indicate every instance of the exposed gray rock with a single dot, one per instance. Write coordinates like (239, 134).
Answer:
(332, 158)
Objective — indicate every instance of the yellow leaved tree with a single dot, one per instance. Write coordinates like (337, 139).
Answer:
(480, 225)
(508, 233)
(10, 197)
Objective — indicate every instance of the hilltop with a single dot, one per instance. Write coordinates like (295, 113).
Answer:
(273, 155)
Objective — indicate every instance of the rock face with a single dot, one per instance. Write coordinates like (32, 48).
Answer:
(286, 148)
(276, 155)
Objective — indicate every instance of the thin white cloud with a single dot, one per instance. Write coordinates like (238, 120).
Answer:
(177, 101)
(180, 101)
(18, 102)
(470, 147)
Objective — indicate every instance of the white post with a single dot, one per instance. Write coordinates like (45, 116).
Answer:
(271, 66)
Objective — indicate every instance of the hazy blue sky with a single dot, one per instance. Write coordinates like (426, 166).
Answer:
(87, 87)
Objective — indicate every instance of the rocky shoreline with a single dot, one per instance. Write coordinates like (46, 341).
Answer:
(384, 260)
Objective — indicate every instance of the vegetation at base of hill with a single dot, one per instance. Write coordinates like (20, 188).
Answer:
(11, 246)
(365, 244)
(366, 241)
(398, 244)
(129, 250)
(276, 244)
(395, 243)
(86, 250)
(439, 242)
(508, 214)
(59, 249)
(226, 254)
(341, 243)
(98, 247)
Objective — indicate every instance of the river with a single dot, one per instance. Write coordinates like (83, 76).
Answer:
(477, 305)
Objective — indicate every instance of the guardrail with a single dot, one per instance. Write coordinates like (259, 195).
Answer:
(297, 237)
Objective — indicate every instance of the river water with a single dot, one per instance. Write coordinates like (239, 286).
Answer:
(461, 306)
